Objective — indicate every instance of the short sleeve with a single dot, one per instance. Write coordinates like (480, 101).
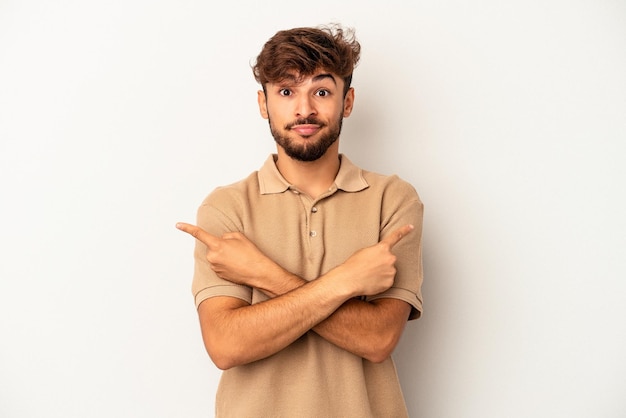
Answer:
(402, 205)
(206, 283)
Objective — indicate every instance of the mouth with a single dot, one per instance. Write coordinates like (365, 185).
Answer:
(306, 129)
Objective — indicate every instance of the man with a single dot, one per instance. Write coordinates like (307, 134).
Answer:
(307, 270)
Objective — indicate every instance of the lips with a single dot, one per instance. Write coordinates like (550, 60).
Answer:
(306, 130)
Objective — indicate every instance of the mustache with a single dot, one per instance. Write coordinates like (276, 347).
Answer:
(304, 121)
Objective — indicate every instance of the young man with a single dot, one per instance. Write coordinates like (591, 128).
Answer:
(307, 270)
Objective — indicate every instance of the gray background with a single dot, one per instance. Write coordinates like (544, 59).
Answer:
(118, 117)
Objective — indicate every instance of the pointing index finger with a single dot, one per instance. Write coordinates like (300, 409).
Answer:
(199, 234)
(395, 237)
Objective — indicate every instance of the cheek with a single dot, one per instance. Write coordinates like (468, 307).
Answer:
(275, 112)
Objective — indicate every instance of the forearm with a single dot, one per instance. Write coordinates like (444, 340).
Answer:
(367, 329)
(239, 334)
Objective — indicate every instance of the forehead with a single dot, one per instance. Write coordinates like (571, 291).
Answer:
(320, 75)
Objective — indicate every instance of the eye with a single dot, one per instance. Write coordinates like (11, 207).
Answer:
(284, 92)
(322, 93)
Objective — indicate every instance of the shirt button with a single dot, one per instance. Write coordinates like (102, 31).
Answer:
(313, 233)
(314, 209)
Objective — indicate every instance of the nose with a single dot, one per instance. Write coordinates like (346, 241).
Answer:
(305, 107)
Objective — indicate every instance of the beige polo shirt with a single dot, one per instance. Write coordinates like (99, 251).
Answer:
(312, 377)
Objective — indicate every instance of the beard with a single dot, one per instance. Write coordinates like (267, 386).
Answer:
(309, 151)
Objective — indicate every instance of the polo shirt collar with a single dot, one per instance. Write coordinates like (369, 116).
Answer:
(349, 178)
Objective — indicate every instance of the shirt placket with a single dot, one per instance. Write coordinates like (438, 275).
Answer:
(314, 227)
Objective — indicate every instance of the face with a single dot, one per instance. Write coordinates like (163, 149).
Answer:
(305, 115)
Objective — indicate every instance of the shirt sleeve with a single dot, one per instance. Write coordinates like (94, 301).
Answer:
(206, 283)
(401, 206)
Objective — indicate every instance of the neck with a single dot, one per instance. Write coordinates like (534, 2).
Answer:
(311, 177)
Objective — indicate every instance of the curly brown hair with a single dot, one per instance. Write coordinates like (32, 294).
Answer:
(306, 50)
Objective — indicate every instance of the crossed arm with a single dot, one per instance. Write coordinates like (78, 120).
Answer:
(236, 333)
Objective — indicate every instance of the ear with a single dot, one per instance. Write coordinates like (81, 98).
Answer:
(262, 101)
(348, 102)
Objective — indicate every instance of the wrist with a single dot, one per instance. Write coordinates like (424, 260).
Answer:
(278, 281)
(341, 283)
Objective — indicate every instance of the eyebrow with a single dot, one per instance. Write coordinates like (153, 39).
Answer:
(319, 77)
(323, 76)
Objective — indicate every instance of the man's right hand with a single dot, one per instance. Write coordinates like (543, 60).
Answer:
(235, 258)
